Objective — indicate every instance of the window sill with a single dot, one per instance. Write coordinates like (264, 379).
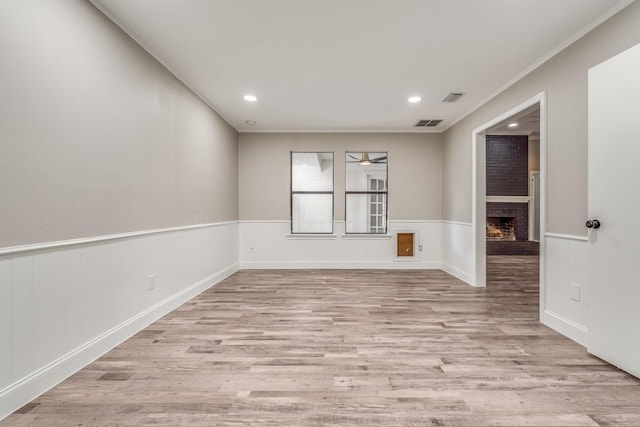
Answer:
(311, 236)
(367, 236)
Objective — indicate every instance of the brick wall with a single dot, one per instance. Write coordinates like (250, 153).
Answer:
(507, 165)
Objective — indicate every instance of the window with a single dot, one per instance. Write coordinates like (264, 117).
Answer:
(311, 193)
(366, 193)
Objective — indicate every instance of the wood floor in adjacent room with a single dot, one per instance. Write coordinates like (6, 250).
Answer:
(343, 348)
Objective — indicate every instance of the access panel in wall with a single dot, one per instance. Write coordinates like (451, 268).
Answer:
(405, 244)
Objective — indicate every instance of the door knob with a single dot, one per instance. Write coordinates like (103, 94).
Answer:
(593, 223)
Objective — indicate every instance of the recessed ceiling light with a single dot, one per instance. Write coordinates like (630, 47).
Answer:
(415, 99)
(250, 122)
(513, 125)
(250, 98)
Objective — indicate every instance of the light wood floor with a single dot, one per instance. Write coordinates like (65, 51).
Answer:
(342, 348)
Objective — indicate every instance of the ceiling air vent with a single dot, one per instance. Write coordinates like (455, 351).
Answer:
(427, 123)
(452, 97)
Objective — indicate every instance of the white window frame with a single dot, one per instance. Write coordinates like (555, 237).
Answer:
(292, 193)
(384, 194)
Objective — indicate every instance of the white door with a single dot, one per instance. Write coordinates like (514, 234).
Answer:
(614, 200)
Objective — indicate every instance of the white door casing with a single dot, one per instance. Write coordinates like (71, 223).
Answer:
(614, 199)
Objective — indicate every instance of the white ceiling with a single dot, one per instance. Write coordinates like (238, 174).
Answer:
(526, 122)
(350, 65)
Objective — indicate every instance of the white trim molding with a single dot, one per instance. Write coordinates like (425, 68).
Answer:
(264, 221)
(372, 236)
(337, 265)
(567, 236)
(456, 272)
(479, 198)
(104, 238)
(312, 236)
(566, 327)
(415, 221)
(508, 199)
(464, 224)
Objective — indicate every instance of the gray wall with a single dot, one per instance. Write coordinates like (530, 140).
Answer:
(96, 136)
(564, 78)
(415, 172)
(534, 154)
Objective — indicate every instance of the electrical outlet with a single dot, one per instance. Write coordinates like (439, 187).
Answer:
(151, 282)
(250, 250)
(420, 248)
(574, 291)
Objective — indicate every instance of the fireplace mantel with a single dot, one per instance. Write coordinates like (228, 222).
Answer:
(508, 199)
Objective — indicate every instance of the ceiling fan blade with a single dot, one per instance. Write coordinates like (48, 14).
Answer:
(364, 157)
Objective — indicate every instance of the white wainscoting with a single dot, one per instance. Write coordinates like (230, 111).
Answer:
(268, 244)
(457, 250)
(565, 294)
(64, 304)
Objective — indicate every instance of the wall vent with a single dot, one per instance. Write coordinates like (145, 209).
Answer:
(452, 97)
(427, 123)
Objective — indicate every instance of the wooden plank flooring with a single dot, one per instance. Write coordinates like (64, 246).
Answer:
(343, 348)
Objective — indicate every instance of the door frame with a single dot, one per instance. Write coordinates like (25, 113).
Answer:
(532, 210)
(478, 203)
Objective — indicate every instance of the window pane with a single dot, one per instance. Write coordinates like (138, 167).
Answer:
(312, 171)
(312, 213)
(361, 216)
(359, 174)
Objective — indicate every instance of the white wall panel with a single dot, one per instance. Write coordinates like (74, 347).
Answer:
(268, 244)
(564, 296)
(48, 307)
(170, 277)
(63, 306)
(128, 260)
(21, 316)
(457, 249)
(88, 292)
(5, 320)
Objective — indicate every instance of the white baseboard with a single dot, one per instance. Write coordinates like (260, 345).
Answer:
(38, 382)
(273, 265)
(458, 273)
(566, 327)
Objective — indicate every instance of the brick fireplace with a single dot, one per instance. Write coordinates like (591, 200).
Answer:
(507, 179)
(501, 228)
(507, 221)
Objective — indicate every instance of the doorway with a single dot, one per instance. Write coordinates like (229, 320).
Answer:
(512, 174)
(534, 209)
